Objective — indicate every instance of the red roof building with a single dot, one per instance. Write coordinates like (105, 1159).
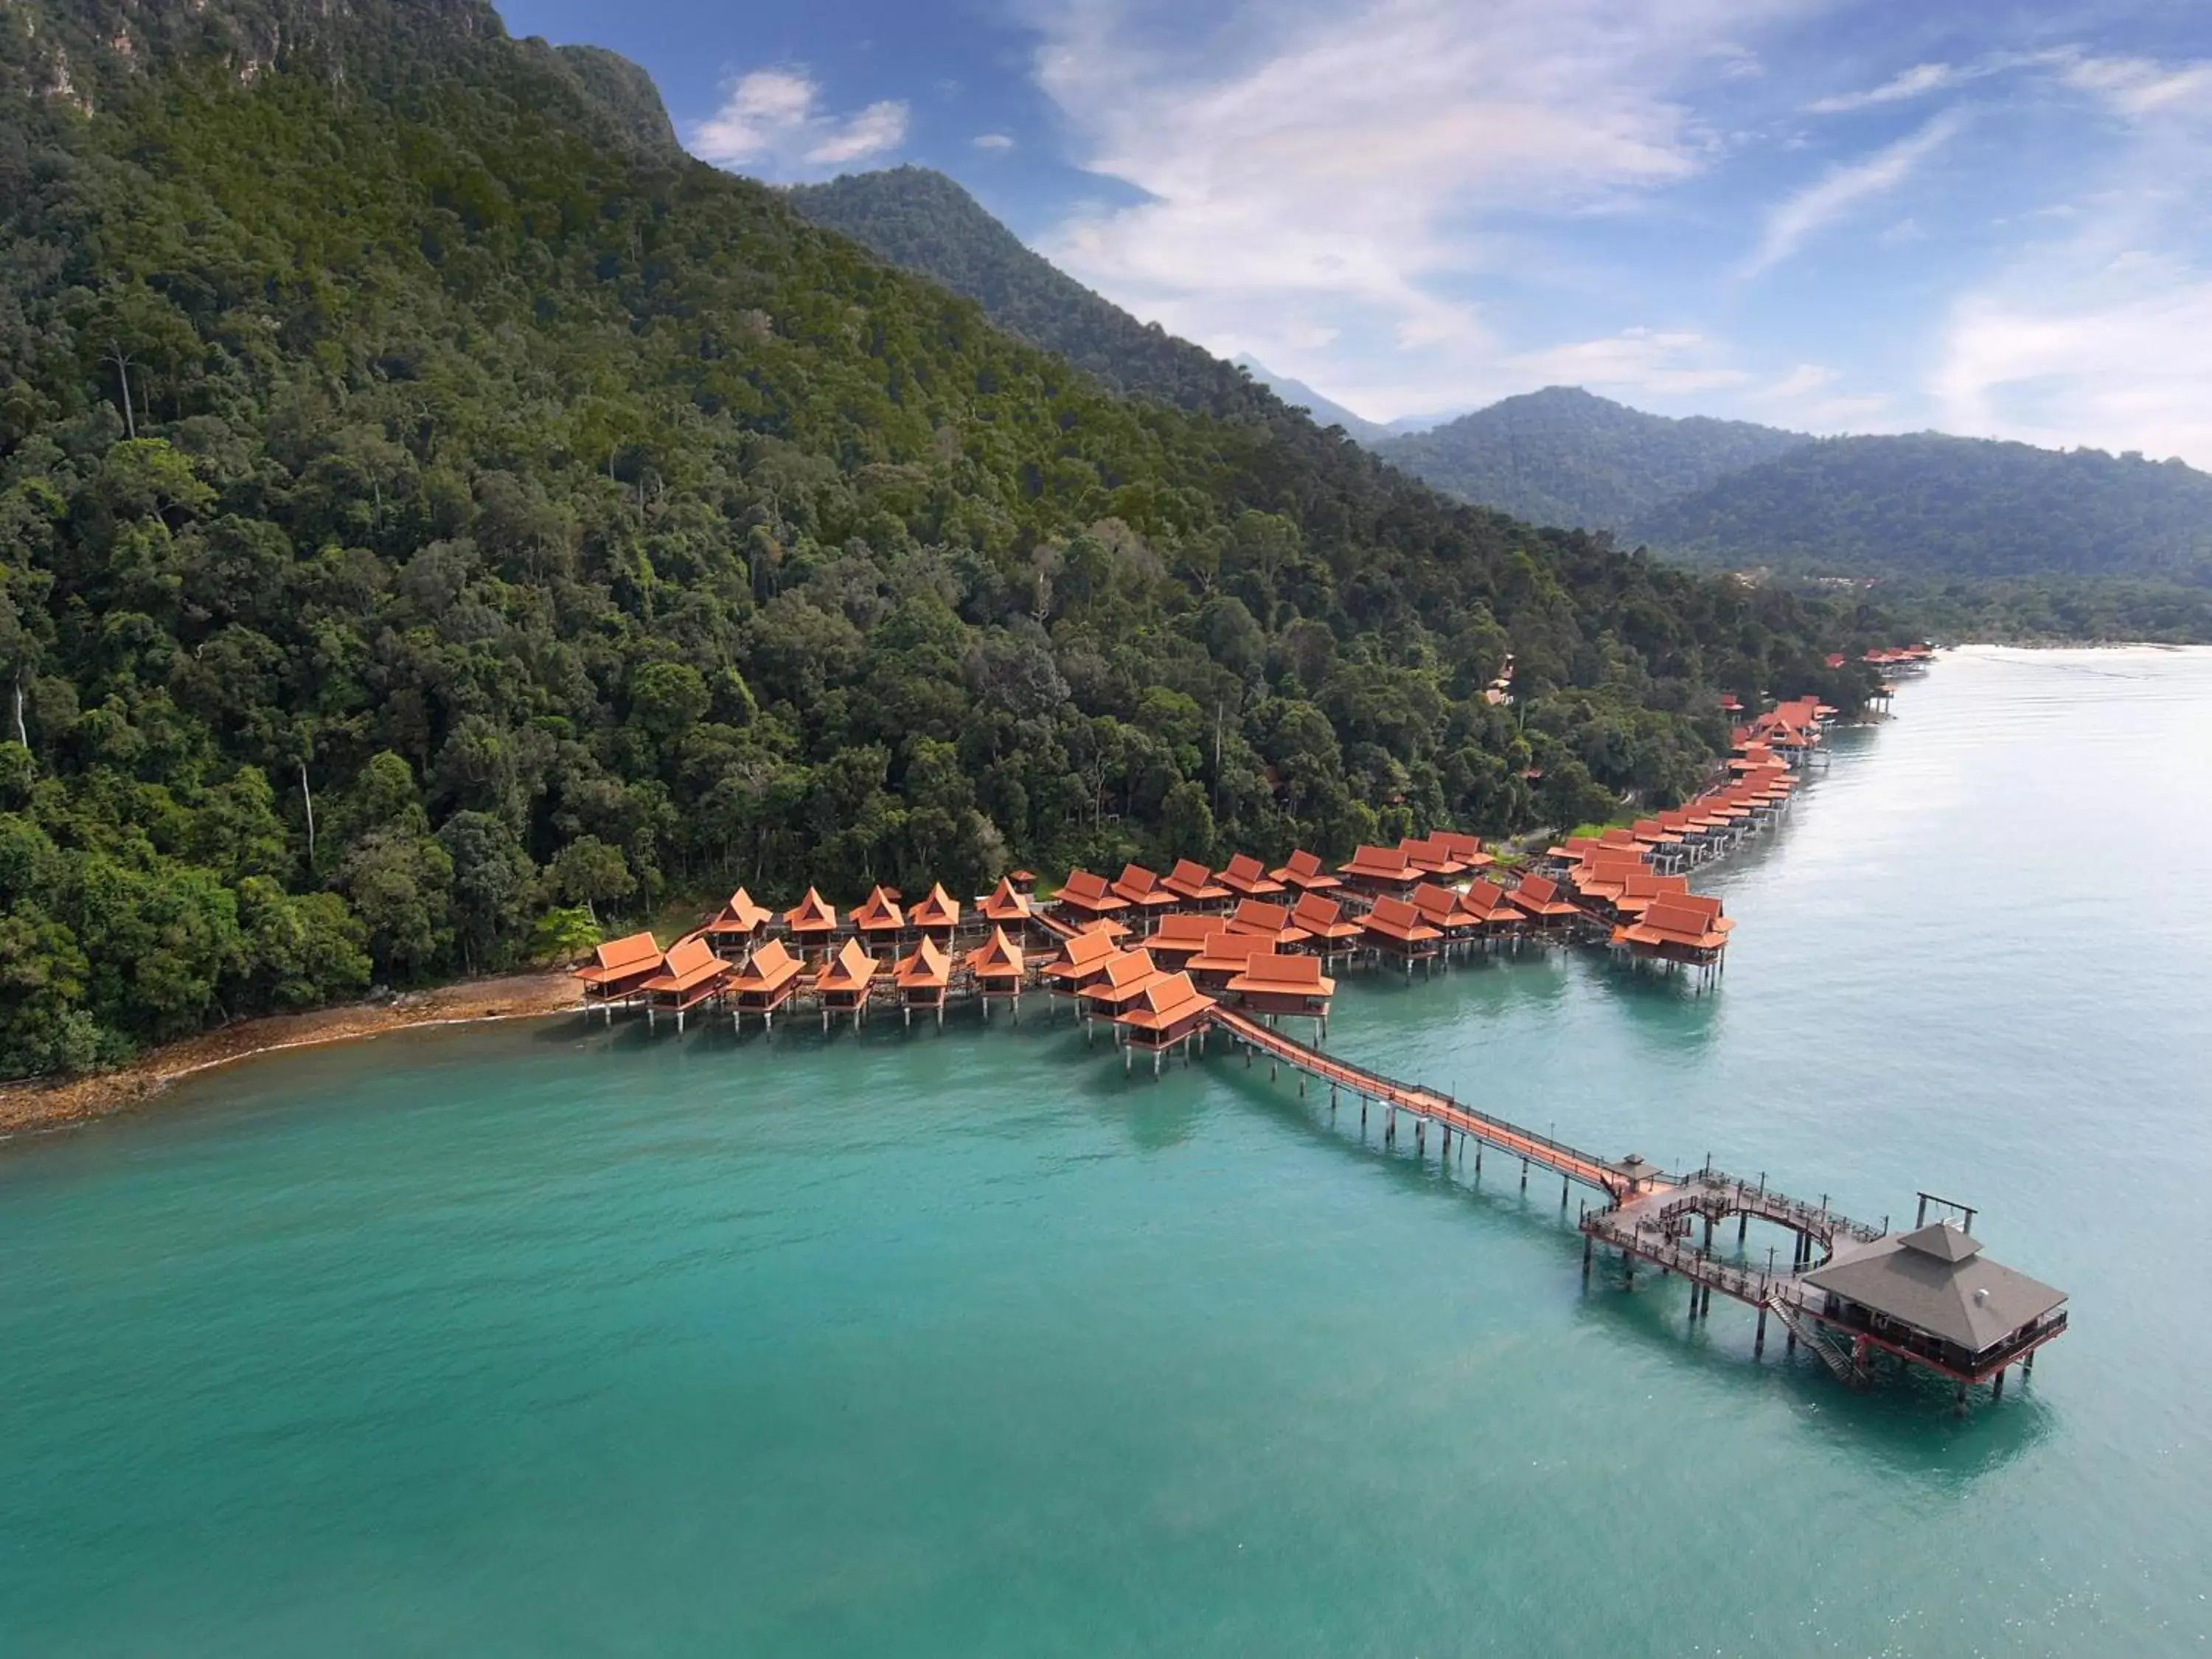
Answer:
(810, 921)
(936, 914)
(1193, 883)
(1328, 931)
(1380, 870)
(1304, 872)
(844, 982)
(1224, 956)
(1144, 890)
(1180, 938)
(1171, 1009)
(1396, 930)
(1084, 897)
(617, 969)
(765, 983)
(1276, 985)
(1246, 877)
(879, 923)
(738, 927)
(690, 974)
(1539, 899)
(924, 979)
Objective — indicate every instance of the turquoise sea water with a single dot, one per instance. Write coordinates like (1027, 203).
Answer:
(547, 1341)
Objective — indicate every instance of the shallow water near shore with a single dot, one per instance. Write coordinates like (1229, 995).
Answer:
(550, 1340)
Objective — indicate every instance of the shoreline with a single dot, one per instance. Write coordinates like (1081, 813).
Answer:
(41, 1105)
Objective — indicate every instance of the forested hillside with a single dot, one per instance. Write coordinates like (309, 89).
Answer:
(1563, 456)
(1935, 506)
(436, 514)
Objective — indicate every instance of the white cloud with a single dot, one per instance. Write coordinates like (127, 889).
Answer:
(1658, 362)
(770, 121)
(2103, 334)
(1312, 168)
(1795, 220)
(992, 140)
(1915, 82)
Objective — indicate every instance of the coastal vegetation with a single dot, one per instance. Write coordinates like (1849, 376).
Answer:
(438, 517)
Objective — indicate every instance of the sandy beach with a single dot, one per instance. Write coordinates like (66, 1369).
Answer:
(49, 1103)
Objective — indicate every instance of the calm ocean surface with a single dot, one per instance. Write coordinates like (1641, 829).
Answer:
(551, 1341)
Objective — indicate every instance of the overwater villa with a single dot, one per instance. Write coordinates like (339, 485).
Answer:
(1082, 959)
(1007, 907)
(738, 927)
(936, 916)
(1085, 898)
(1145, 895)
(690, 974)
(1329, 933)
(1246, 877)
(878, 922)
(1305, 873)
(1274, 985)
(1180, 937)
(998, 971)
(764, 984)
(1380, 870)
(1263, 921)
(1467, 849)
(1539, 899)
(1194, 884)
(1431, 858)
(1223, 957)
(1672, 931)
(1170, 1010)
(618, 969)
(1395, 931)
(843, 983)
(1439, 907)
(924, 980)
(1127, 974)
(811, 924)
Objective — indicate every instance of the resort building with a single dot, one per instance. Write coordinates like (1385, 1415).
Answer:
(1539, 899)
(1930, 1297)
(1126, 976)
(924, 980)
(1328, 933)
(1227, 952)
(1085, 898)
(1083, 958)
(811, 924)
(738, 927)
(618, 969)
(1274, 985)
(936, 917)
(1395, 931)
(844, 982)
(764, 984)
(1147, 897)
(1380, 870)
(1268, 922)
(690, 974)
(1169, 1010)
(1180, 937)
(878, 922)
(998, 971)
(1192, 884)
(1245, 876)
(1304, 873)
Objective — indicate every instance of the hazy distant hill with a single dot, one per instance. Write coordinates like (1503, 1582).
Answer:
(919, 220)
(1326, 411)
(1563, 456)
(1927, 505)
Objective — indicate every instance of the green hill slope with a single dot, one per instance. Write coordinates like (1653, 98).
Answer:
(1563, 456)
(432, 506)
(1929, 506)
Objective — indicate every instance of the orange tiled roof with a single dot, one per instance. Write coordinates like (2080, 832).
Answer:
(1168, 1001)
(1085, 891)
(628, 958)
(1228, 950)
(1245, 874)
(1386, 863)
(740, 915)
(1141, 887)
(1005, 904)
(929, 968)
(1268, 971)
(1323, 919)
(1395, 919)
(690, 963)
(1303, 869)
(850, 970)
(772, 967)
(1192, 880)
(810, 915)
(880, 914)
(938, 908)
(1002, 959)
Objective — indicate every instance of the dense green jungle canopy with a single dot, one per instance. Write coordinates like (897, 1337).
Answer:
(432, 509)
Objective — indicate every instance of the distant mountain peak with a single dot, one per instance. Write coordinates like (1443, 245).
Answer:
(1326, 411)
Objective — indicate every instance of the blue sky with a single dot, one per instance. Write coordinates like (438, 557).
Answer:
(1978, 216)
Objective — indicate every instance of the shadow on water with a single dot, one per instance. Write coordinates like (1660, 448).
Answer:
(1904, 1420)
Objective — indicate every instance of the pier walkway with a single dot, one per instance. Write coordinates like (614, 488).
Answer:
(1427, 1106)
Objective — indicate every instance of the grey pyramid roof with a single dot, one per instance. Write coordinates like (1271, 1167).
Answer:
(1964, 1298)
(1942, 1241)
